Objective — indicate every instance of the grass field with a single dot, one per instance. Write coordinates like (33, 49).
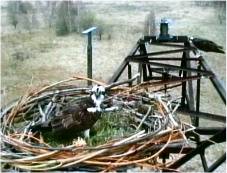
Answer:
(48, 58)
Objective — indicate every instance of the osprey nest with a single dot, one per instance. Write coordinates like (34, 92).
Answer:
(134, 127)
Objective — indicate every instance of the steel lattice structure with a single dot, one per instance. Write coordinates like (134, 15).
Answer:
(150, 63)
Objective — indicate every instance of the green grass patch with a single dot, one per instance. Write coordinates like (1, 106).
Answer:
(110, 126)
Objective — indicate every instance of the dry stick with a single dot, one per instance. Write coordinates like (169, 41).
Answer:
(135, 150)
(175, 108)
(55, 166)
(183, 135)
(144, 145)
(89, 79)
(50, 106)
(90, 155)
(140, 147)
(130, 151)
(68, 147)
(172, 100)
(129, 138)
(144, 118)
(130, 162)
(52, 85)
(168, 112)
(52, 167)
(49, 86)
(32, 138)
(35, 158)
(68, 80)
(25, 131)
(36, 167)
(119, 160)
(42, 113)
(178, 155)
(111, 166)
(154, 84)
(207, 139)
(158, 83)
(18, 106)
(166, 81)
(20, 103)
(122, 82)
(18, 143)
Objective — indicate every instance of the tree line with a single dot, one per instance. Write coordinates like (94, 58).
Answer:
(63, 16)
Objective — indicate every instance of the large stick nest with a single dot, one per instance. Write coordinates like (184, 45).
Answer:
(152, 132)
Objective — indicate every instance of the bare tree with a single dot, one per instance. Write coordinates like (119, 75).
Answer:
(20, 12)
(101, 28)
(87, 19)
(48, 11)
(221, 8)
(66, 15)
(12, 12)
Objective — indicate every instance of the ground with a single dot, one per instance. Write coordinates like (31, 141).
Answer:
(49, 58)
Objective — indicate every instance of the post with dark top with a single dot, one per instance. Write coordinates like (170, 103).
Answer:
(88, 32)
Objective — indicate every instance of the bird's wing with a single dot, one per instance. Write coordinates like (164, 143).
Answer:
(75, 117)
(207, 45)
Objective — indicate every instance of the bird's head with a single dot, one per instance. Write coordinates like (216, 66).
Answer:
(190, 38)
(98, 95)
(97, 91)
(191, 42)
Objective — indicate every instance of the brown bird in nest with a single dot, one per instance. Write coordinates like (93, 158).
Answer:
(76, 117)
(80, 116)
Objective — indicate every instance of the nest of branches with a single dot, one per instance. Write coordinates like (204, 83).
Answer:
(153, 126)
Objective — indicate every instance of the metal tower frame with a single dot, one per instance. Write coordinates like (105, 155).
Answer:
(150, 63)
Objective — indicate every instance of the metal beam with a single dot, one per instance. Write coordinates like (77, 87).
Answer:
(215, 81)
(204, 161)
(183, 89)
(167, 45)
(217, 163)
(118, 72)
(174, 39)
(130, 73)
(208, 73)
(143, 51)
(173, 148)
(190, 91)
(204, 115)
(219, 137)
(123, 65)
(198, 86)
(208, 130)
(166, 59)
(161, 53)
(168, 87)
(88, 32)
